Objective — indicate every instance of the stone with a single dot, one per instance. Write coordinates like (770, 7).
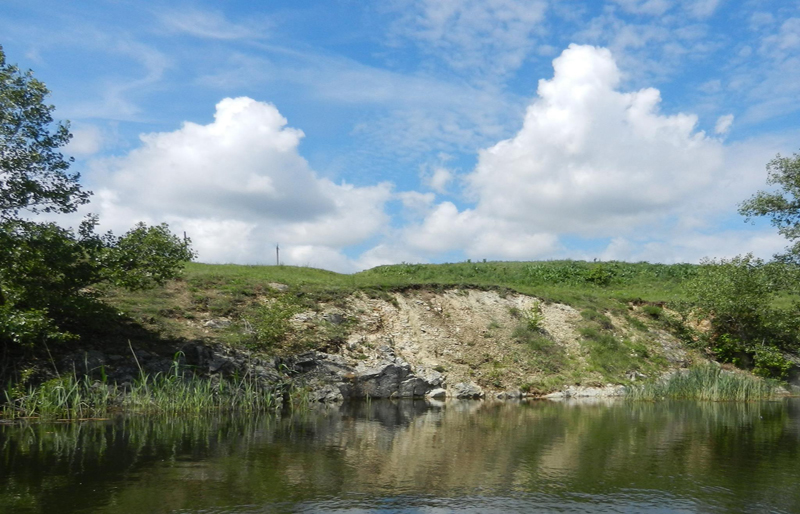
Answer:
(513, 394)
(413, 387)
(328, 393)
(437, 393)
(334, 318)
(381, 381)
(217, 323)
(223, 365)
(433, 378)
(467, 390)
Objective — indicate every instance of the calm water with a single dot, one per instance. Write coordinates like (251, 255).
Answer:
(413, 457)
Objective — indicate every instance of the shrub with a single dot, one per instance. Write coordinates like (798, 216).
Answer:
(269, 323)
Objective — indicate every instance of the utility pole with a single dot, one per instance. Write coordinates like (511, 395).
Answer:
(277, 255)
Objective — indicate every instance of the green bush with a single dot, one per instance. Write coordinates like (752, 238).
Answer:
(742, 299)
(269, 323)
(769, 362)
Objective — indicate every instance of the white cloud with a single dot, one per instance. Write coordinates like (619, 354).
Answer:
(589, 160)
(769, 78)
(701, 8)
(206, 24)
(409, 114)
(693, 246)
(723, 124)
(695, 8)
(478, 37)
(439, 179)
(651, 7)
(238, 186)
(86, 140)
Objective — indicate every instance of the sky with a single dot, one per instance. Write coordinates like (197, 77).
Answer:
(355, 133)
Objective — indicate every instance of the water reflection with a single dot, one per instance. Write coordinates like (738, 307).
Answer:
(414, 456)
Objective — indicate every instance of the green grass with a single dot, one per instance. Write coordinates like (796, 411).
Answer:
(72, 397)
(554, 280)
(708, 382)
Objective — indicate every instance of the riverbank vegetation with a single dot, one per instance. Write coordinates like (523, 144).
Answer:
(705, 382)
(72, 396)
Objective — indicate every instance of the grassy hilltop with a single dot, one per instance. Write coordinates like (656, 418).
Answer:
(225, 289)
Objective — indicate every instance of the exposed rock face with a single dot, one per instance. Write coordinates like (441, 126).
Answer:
(391, 378)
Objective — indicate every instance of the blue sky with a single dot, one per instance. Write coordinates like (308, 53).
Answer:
(363, 133)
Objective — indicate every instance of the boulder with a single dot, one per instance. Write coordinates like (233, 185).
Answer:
(413, 387)
(382, 381)
(513, 394)
(466, 390)
(437, 394)
(328, 393)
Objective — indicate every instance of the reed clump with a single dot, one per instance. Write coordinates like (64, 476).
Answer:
(72, 397)
(706, 382)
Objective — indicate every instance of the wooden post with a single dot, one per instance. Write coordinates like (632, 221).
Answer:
(277, 254)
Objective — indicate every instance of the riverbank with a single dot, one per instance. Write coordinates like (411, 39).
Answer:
(296, 335)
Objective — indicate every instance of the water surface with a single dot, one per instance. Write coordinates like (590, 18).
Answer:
(416, 457)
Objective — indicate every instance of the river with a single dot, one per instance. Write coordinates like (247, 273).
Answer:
(415, 457)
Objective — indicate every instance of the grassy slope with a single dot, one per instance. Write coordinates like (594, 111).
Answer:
(223, 289)
(230, 290)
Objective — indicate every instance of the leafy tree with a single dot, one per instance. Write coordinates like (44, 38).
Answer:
(34, 175)
(45, 269)
(782, 206)
(739, 296)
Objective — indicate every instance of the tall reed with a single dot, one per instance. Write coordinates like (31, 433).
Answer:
(71, 397)
(706, 382)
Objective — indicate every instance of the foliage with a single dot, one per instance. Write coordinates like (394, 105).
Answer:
(45, 269)
(269, 322)
(739, 297)
(707, 382)
(781, 206)
(771, 363)
(145, 257)
(534, 318)
(34, 175)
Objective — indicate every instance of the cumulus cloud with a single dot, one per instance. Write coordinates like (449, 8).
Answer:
(238, 186)
(589, 160)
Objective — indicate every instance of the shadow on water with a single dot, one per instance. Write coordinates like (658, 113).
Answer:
(658, 457)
